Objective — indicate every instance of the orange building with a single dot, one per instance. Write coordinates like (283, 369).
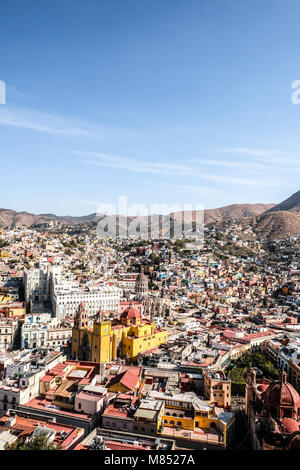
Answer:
(217, 388)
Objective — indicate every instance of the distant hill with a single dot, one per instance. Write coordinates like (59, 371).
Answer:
(221, 214)
(68, 219)
(10, 218)
(275, 225)
(266, 226)
(280, 221)
(267, 220)
(235, 211)
(292, 204)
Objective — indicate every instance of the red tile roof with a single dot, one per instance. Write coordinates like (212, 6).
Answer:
(128, 379)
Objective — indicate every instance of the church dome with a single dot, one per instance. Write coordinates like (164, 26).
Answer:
(282, 395)
(131, 314)
(142, 279)
(262, 387)
(290, 425)
(141, 284)
(142, 276)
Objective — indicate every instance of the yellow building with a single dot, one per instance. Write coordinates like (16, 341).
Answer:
(182, 412)
(186, 411)
(12, 309)
(126, 338)
(217, 388)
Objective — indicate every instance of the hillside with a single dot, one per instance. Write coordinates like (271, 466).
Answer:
(235, 211)
(291, 204)
(9, 217)
(275, 225)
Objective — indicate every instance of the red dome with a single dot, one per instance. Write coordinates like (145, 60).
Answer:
(282, 395)
(262, 387)
(131, 314)
(291, 425)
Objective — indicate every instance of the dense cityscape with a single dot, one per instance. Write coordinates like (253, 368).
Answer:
(149, 232)
(148, 344)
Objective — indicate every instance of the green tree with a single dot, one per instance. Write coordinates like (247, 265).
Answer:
(239, 371)
(40, 442)
(3, 243)
(154, 259)
(180, 243)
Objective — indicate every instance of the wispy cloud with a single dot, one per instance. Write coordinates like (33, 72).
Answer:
(125, 163)
(192, 189)
(58, 125)
(251, 151)
(171, 169)
(41, 122)
(272, 181)
(270, 156)
(230, 164)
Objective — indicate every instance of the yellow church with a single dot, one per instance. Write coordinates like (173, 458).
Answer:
(107, 340)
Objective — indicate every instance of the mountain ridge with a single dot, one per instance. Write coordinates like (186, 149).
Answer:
(9, 217)
(291, 204)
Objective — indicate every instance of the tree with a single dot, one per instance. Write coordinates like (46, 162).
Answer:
(154, 259)
(40, 442)
(249, 359)
(180, 244)
(3, 243)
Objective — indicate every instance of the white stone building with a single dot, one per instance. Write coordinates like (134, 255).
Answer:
(34, 336)
(65, 303)
(58, 337)
(7, 332)
(38, 281)
(17, 391)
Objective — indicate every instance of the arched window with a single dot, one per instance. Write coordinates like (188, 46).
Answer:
(172, 422)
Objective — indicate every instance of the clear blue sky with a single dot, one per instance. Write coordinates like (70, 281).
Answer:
(165, 101)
